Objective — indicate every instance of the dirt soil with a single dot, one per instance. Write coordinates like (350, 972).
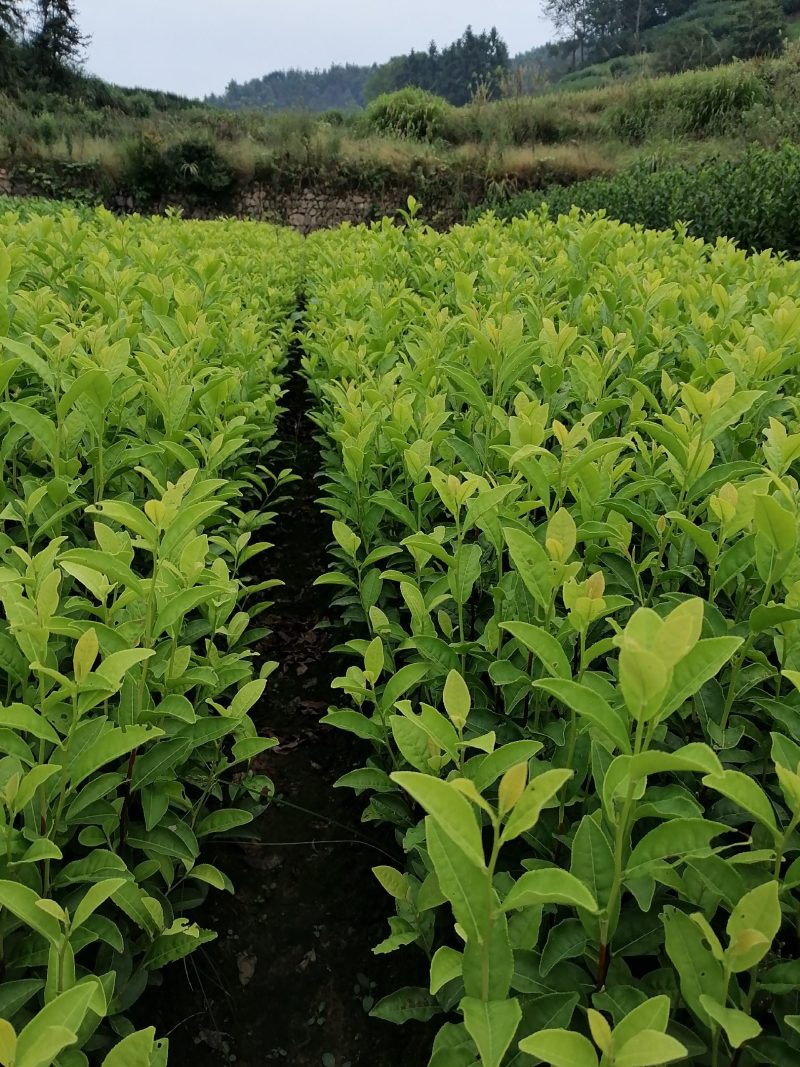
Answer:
(291, 976)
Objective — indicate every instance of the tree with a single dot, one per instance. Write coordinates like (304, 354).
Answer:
(758, 29)
(57, 42)
(11, 17)
(12, 21)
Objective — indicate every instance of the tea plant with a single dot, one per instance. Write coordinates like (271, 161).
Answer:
(141, 367)
(561, 463)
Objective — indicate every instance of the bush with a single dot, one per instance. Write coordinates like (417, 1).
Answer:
(198, 167)
(412, 113)
(193, 166)
(334, 116)
(755, 201)
(144, 168)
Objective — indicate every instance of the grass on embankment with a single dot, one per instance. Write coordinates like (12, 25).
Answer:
(510, 145)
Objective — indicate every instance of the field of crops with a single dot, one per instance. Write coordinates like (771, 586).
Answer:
(141, 365)
(560, 461)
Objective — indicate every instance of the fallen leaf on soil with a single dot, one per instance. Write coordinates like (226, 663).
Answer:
(247, 966)
(213, 1038)
(310, 957)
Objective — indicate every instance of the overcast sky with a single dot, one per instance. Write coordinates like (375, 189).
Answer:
(198, 46)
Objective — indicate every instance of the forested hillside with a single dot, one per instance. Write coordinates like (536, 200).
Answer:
(453, 72)
(598, 40)
(602, 40)
(313, 90)
(42, 49)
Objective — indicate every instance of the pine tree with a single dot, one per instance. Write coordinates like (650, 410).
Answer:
(57, 41)
(11, 18)
(12, 21)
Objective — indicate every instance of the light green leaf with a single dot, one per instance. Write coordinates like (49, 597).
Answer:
(449, 808)
(491, 1024)
(561, 1048)
(738, 1026)
(549, 886)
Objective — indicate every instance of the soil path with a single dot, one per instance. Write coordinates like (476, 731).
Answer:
(291, 975)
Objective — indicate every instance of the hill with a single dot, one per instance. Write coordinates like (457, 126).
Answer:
(601, 41)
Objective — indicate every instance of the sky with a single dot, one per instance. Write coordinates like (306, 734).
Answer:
(196, 47)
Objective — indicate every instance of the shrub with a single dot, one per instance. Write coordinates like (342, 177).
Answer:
(334, 116)
(197, 166)
(144, 168)
(755, 201)
(412, 113)
(192, 166)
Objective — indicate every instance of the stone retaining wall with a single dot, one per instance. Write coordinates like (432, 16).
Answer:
(304, 209)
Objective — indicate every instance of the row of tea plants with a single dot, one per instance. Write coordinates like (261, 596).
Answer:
(141, 369)
(561, 461)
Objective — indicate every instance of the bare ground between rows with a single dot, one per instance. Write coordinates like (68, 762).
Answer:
(291, 975)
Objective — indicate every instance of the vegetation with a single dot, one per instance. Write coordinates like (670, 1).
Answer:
(39, 43)
(561, 459)
(414, 141)
(474, 61)
(453, 72)
(340, 87)
(138, 414)
(672, 34)
(602, 41)
(561, 464)
(64, 134)
(753, 201)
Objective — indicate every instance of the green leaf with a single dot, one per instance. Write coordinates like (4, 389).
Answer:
(540, 791)
(94, 897)
(24, 719)
(210, 875)
(139, 1049)
(457, 701)
(589, 704)
(449, 808)
(701, 663)
(678, 837)
(738, 1026)
(491, 1024)
(758, 912)
(543, 645)
(564, 942)
(112, 745)
(219, 822)
(22, 902)
(592, 860)
(177, 607)
(699, 973)
(405, 1004)
(747, 793)
(408, 677)
(176, 944)
(40, 428)
(653, 1014)
(55, 1027)
(355, 723)
(649, 1048)
(485, 770)
(465, 885)
(346, 539)
(561, 1048)
(125, 514)
(445, 967)
(549, 886)
(532, 564)
(764, 618)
